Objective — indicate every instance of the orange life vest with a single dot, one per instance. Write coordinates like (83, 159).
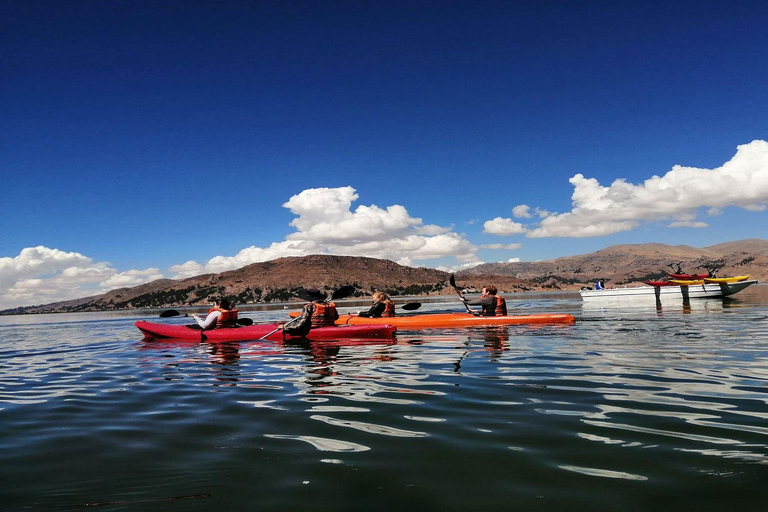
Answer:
(324, 314)
(228, 317)
(389, 309)
(501, 306)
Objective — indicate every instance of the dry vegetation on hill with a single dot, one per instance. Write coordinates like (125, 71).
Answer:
(285, 279)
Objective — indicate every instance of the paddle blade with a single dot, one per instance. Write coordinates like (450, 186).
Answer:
(244, 321)
(344, 291)
(168, 313)
(411, 306)
(452, 280)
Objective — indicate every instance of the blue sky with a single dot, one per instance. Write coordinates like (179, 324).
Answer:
(148, 139)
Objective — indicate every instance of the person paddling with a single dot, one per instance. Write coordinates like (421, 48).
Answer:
(221, 315)
(492, 304)
(382, 307)
(317, 313)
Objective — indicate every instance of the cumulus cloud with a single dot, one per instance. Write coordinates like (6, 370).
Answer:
(40, 275)
(503, 226)
(600, 210)
(687, 224)
(131, 278)
(511, 247)
(522, 211)
(326, 223)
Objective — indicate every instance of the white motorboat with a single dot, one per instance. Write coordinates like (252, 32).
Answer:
(683, 292)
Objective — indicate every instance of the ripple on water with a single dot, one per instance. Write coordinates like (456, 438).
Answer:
(667, 407)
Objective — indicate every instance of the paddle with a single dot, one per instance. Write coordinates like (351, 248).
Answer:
(452, 280)
(270, 333)
(411, 306)
(344, 291)
(171, 312)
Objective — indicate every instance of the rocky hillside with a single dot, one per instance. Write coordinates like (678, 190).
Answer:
(633, 264)
(283, 279)
(286, 279)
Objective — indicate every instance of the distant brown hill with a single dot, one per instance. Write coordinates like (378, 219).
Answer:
(633, 264)
(282, 279)
(286, 279)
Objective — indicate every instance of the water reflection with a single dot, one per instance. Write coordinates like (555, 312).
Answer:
(629, 396)
(496, 341)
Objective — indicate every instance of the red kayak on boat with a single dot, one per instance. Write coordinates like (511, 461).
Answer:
(687, 277)
(261, 331)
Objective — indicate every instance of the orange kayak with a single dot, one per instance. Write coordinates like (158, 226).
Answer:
(447, 320)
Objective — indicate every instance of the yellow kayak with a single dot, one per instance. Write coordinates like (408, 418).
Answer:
(686, 282)
(734, 279)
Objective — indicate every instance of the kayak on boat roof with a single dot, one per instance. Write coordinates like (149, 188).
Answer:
(448, 320)
(687, 277)
(686, 282)
(734, 279)
(659, 283)
(258, 331)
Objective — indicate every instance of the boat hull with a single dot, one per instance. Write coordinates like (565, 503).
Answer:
(258, 331)
(448, 320)
(698, 291)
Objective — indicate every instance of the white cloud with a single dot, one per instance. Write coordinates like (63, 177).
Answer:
(503, 227)
(131, 278)
(40, 275)
(522, 211)
(324, 215)
(687, 224)
(511, 247)
(599, 210)
(513, 260)
(459, 268)
(327, 224)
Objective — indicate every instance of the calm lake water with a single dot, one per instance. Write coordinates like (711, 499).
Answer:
(631, 408)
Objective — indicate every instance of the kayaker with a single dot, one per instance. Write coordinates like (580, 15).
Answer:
(492, 304)
(221, 315)
(317, 313)
(382, 307)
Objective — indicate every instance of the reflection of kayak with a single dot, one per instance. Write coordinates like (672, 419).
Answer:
(447, 320)
(256, 331)
(734, 279)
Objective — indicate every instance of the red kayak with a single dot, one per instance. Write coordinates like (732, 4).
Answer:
(258, 331)
(659, 283)
(687, 277)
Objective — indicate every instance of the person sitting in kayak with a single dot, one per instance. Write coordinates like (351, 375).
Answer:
(221, 315)
(382, 307)
(492, 304)
(317, 313)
